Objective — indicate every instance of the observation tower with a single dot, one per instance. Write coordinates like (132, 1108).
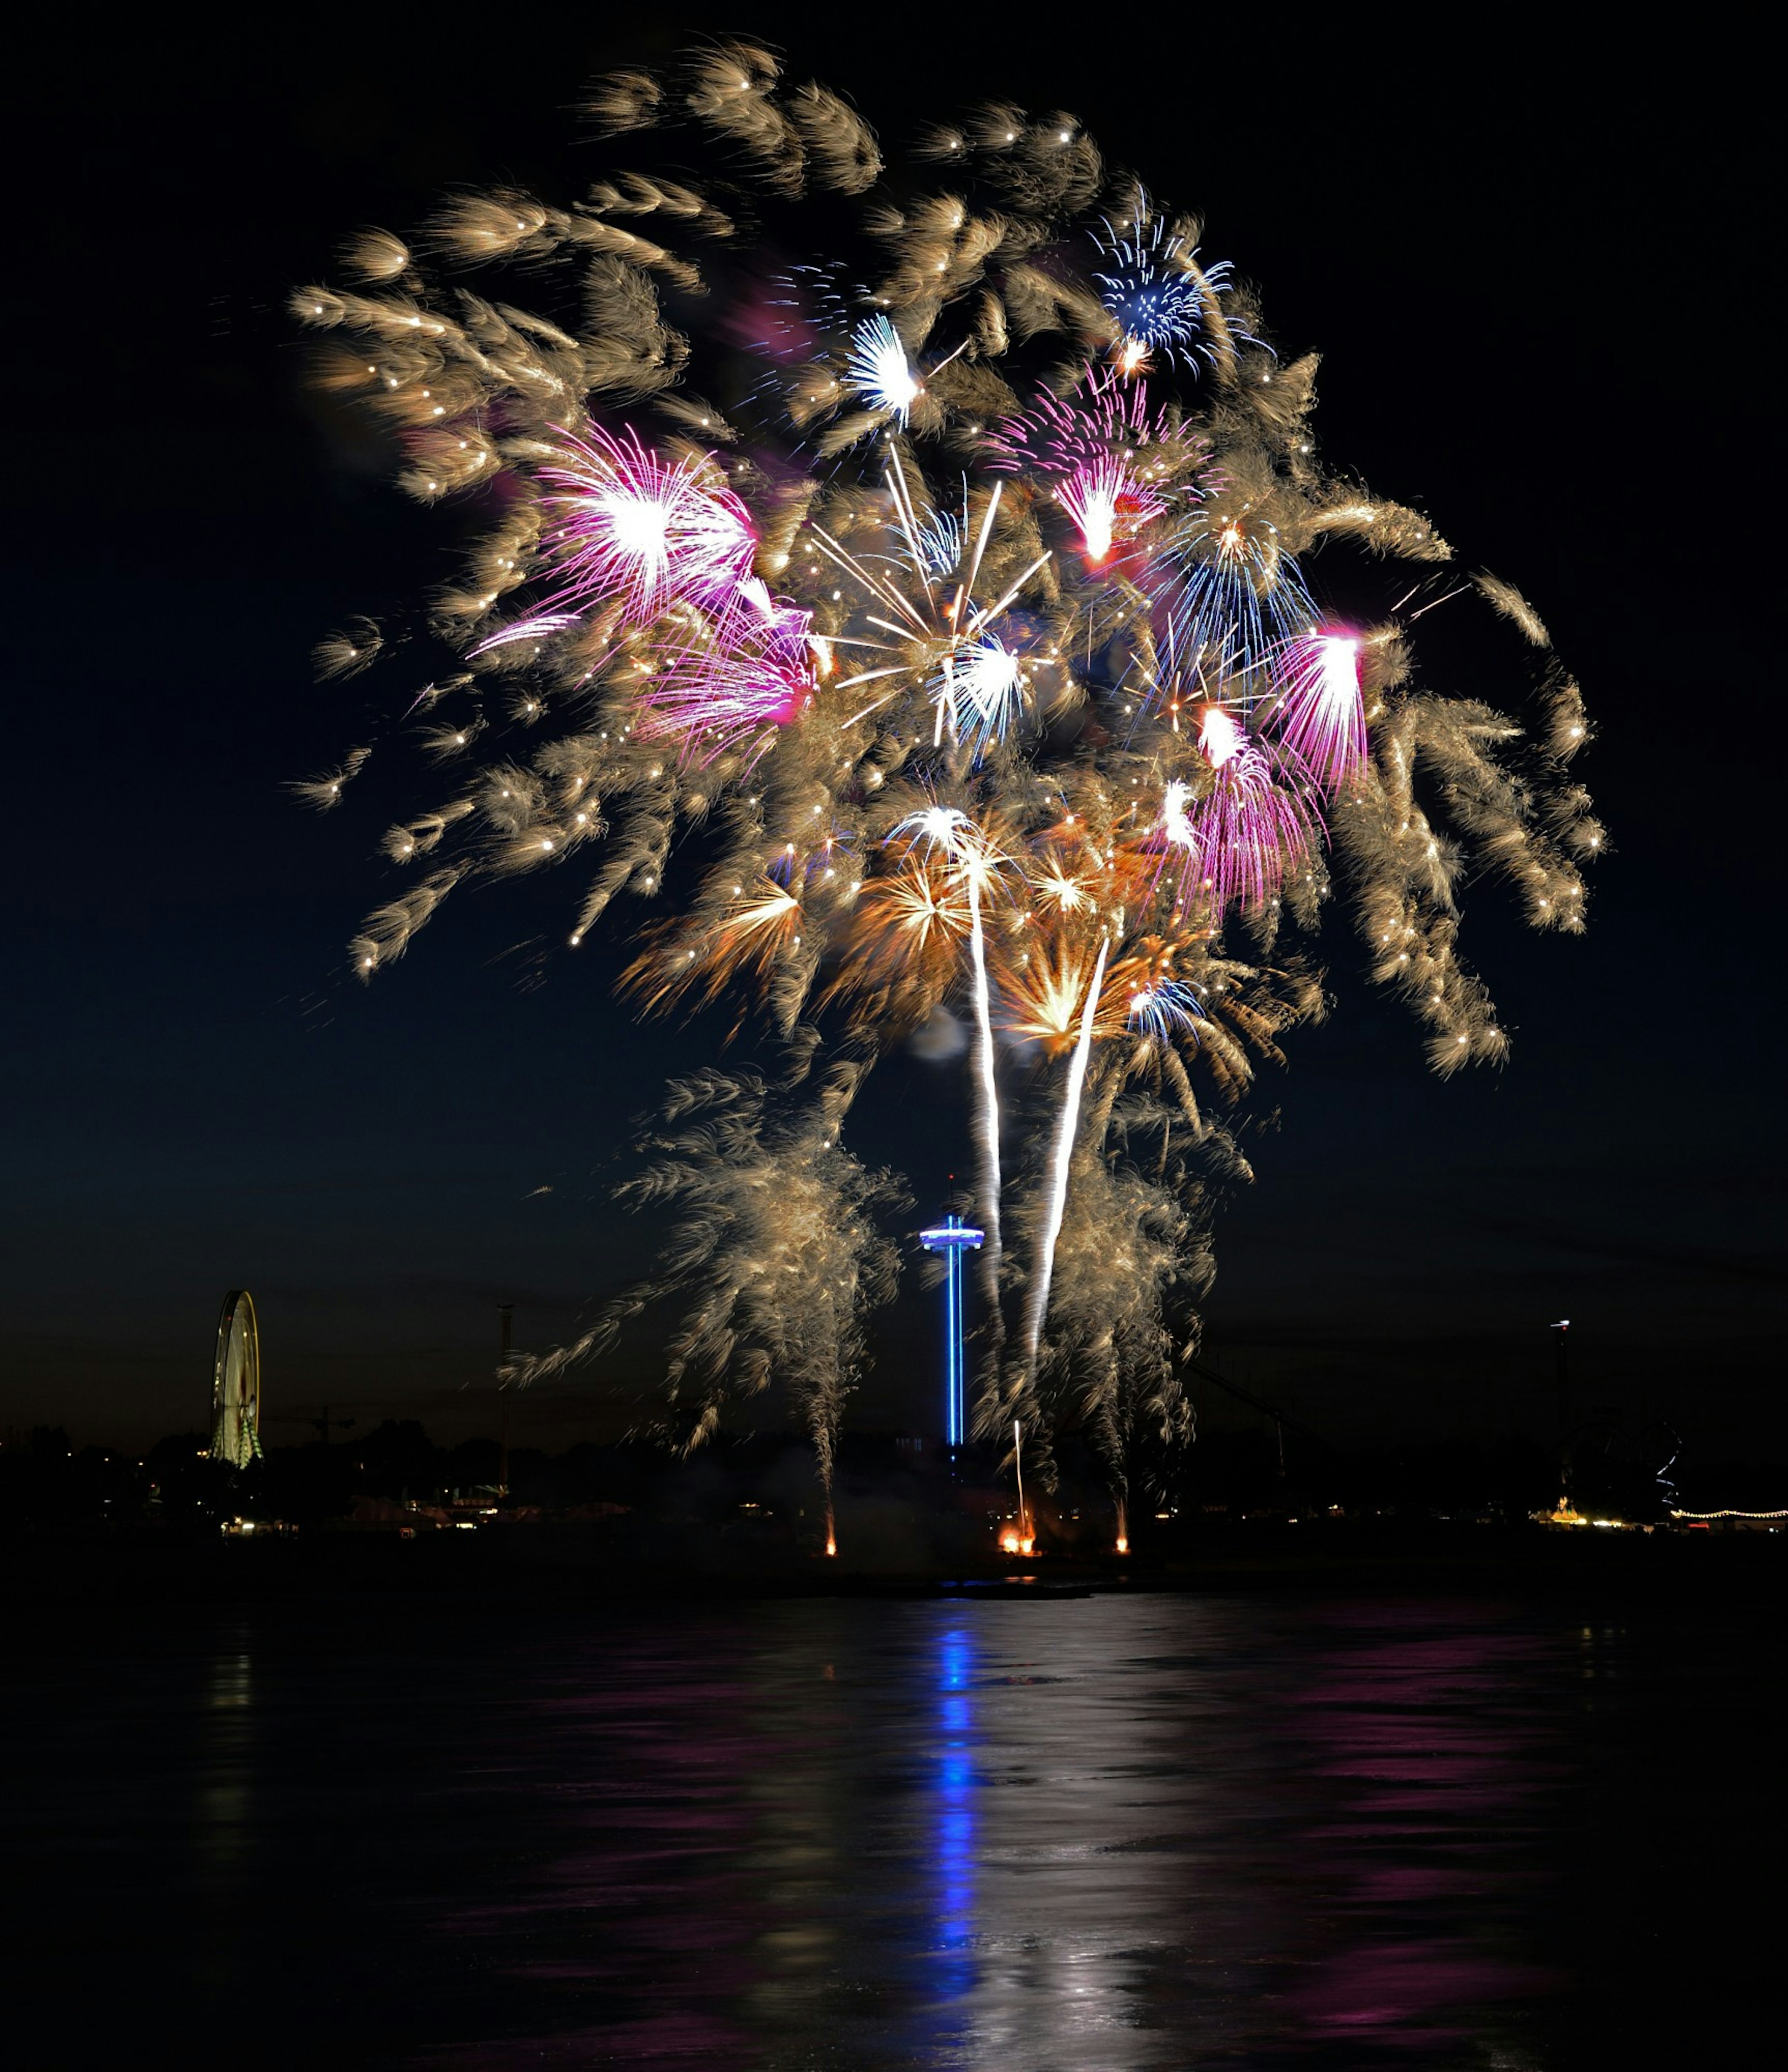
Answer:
(236, 1384)
(953, 1237)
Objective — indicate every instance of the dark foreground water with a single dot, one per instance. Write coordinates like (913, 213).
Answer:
(1113, 1832)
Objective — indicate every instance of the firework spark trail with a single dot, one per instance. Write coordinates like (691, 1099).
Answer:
(988, 1119)
(1063, 1160)
(948, 829)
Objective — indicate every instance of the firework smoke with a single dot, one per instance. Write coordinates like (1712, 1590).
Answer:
(773, 1251)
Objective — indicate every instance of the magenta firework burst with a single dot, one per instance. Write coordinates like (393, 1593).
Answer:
(1318, 714)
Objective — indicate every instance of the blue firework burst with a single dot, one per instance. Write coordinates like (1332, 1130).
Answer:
(1147, 287)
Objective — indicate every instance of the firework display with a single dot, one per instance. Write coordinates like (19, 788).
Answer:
(911, 584)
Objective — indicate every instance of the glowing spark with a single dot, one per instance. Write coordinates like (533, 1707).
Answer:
(984, 678)
(1102, 498)
(878, 370)
(1222, 736)
(1318, 714)
(939, 827)
(1067, 894)
(1167, 1009)
(650, 533)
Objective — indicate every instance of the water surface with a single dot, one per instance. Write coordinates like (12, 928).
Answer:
(1110, 1832)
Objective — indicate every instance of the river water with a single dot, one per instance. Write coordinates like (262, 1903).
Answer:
(1117, 1832)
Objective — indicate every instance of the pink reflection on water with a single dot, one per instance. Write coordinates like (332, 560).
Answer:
(675, 1978)
(1392, 1990)
(1444, 1779)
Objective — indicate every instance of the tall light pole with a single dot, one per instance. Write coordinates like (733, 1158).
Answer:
(953, 1237)
(1561, 1338)
(506, 1317)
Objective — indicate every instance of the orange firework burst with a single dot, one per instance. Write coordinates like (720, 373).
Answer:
(757, 931)
(1043, 987)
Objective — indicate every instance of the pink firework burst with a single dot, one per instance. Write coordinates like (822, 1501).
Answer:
(1174, 840)
(1104, 417)
(712, 699)
(1221, 735)
(1109, 504)
(1097, 444)
(747, 613)
(1254, 824)
(649, 531)
(1318, 712)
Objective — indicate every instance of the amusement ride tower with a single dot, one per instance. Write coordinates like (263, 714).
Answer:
(953, 1237)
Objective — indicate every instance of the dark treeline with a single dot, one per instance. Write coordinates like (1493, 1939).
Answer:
(765, 1482)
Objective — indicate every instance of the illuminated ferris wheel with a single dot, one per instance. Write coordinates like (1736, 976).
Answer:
(236, 1384)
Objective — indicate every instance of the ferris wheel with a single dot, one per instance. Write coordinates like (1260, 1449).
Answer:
(236, 1384)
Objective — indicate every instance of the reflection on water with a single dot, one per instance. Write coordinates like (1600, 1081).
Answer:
(220, 1830)
(1115, 1832)
(953, 1818)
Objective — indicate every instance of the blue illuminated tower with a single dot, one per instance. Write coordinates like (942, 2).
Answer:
(953, 1237)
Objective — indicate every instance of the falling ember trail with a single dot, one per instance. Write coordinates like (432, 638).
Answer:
(1064, 1157)
(990, 1095)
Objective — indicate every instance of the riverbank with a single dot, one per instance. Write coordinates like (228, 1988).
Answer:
(595, 1562)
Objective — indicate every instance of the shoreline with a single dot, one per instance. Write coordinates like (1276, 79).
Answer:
(569, 1567)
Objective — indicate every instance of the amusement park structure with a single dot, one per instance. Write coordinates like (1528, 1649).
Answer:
(952, 1237)
(236, 1384)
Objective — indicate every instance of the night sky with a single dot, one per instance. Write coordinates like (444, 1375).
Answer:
(1538, 279)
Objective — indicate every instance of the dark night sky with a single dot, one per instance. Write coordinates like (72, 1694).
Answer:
(1538, 288)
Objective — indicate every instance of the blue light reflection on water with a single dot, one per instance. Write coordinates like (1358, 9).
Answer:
(953, 1815)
